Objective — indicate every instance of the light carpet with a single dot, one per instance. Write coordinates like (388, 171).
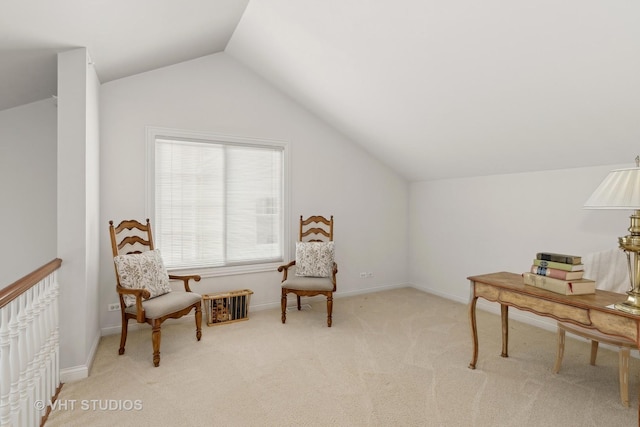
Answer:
(392, 358)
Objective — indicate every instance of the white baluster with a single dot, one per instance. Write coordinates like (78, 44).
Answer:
(44, 342)
(38, 355)
(5, 368)
(22, 356)
(56, 331)
(14, 335)
(30, 339)
(48, 341)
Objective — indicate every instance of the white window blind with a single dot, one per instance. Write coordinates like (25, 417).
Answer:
(217, 203)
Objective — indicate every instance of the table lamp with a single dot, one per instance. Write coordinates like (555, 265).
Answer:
(621, 190)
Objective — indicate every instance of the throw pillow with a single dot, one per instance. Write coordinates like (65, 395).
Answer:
(314, 259)
(142, 271)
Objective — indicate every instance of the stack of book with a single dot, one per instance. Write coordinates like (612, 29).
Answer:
(559, 273)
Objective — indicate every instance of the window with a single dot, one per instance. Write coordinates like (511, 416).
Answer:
(217, 201)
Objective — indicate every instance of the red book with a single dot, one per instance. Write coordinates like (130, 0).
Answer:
(556, 274)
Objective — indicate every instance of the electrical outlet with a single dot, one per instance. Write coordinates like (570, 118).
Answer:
(113, 307)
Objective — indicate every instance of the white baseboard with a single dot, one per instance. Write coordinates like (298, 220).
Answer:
(372, 290)
(80, 372)
(112, 330)
(336, 295)
(545, 323)
(69, 375)
(515, 314)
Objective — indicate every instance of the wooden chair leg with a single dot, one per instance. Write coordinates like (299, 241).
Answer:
(283, 305)
(155, 339)
(123, 335)
(559, 350)
(594, 352)
(198, 322)
(624, 375)
(329, 309)
(299, 305)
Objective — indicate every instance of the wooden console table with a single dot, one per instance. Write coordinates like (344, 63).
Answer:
(590, 311)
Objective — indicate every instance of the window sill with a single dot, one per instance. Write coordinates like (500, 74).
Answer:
(205, 272)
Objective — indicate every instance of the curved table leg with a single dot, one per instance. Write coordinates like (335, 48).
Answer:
(474, 331)
(504, 313)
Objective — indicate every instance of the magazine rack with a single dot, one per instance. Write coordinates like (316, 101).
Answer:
(227, 307)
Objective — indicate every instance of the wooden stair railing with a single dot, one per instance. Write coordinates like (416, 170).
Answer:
(29, 347)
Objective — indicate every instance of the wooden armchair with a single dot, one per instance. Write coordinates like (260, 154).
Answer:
(624, 350)
(609, 269)
(315, 273)
(143, 284)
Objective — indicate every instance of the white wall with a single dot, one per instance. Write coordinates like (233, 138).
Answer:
(78, 142)
(27, 189)
(331, 175)
(92, 218)
(472, 226)
(448, 229)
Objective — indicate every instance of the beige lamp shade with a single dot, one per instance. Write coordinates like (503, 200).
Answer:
(619, 190)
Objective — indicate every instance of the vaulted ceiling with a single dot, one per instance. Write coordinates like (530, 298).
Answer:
(435, 89)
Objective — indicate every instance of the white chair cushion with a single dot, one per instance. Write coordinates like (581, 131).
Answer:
(314, 259)
(166, 304)
(301, 283)
(142, 271)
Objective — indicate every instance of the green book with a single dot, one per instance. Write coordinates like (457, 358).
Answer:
(563, 258)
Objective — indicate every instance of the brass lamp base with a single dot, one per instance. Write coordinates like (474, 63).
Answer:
(631, 245)
(631, 305)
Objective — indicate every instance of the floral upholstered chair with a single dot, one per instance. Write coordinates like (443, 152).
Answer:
(142, 283)
(314, 270)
